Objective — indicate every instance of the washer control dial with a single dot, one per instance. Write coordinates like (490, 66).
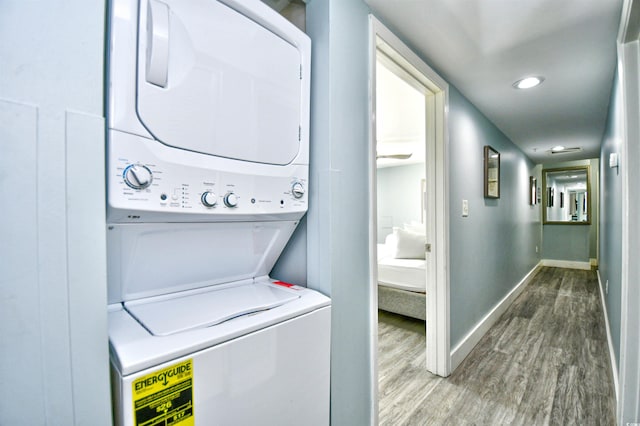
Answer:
(297, 189)
(230, 199)
(137, 176)
(209, 199)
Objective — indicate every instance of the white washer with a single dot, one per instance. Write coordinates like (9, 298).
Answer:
(270, 368)
(208, 115)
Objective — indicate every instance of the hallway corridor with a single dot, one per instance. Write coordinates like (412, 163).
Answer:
(545, 362)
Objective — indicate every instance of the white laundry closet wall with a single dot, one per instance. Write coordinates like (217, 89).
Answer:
(54, 361)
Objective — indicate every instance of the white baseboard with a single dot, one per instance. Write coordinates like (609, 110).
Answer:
(593, 262)
(460, 352)
(612, 355)
(569, 264)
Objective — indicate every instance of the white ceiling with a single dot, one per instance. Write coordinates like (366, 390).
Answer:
(400, 118)
(483, 46)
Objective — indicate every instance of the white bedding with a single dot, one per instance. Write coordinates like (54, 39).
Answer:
(401, 263)
(403, 274)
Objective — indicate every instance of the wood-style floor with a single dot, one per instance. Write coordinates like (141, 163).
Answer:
(544, 362)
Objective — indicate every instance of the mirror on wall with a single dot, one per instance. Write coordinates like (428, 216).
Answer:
(566, 196)
(491, 172)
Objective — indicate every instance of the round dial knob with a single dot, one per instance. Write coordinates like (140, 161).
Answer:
(297, 189)
(230, 199)
(137, 176)
(209, 199)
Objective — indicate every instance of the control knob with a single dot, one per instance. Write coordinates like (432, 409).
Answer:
(230, 199)
(209, 199)
(297, 189)
(137, 176)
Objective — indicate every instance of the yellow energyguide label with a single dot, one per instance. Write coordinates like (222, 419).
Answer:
(165, 397)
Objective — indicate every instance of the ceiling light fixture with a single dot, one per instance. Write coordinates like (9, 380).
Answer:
(394, 156)
(560, 150)
(528, 83)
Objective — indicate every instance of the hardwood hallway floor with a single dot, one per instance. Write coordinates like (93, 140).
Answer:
(545, 362)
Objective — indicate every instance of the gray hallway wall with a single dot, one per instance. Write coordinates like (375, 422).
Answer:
(610, 267)
(495, 247)
(337, 221)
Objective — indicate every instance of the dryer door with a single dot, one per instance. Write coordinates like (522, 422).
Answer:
(213, 81)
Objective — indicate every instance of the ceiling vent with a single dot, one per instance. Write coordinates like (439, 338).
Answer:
(564, 151)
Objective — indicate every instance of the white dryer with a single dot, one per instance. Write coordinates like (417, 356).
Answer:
(208, 116)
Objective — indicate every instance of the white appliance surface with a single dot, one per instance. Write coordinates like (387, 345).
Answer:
(403, 274)
(134, 348)
(180, 180)
(207, 177)
(206, 307)
(208, 112)
(275, 376)
(150, 259)
(238, 83)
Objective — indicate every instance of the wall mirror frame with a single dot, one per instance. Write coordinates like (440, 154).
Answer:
(567, 195)
(491, 172)
(533, 183)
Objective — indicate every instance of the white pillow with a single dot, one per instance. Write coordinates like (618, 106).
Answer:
(391, 240)
(415, 227)
(409, 245)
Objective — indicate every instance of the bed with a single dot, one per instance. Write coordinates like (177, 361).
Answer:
(402, 274)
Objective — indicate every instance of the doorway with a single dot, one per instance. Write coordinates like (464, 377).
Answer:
(389, 55)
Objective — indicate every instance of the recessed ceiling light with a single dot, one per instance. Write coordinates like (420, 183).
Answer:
(561, 150)
(528, 83)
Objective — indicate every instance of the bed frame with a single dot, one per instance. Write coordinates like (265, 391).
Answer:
(402, 302)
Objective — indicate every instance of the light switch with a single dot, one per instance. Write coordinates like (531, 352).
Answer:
(613, 160)
(465, 208)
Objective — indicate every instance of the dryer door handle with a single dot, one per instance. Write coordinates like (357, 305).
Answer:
(157, 43)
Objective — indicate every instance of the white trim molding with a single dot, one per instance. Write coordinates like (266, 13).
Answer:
(464, 348)
(612, 355)
(438, 360)
(568, 264)
(628, 410)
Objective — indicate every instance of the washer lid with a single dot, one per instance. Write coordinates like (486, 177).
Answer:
(214, 81)
(172, 314)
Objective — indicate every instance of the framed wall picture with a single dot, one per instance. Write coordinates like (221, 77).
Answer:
(550, 194)
(491, 172)
(532, 190)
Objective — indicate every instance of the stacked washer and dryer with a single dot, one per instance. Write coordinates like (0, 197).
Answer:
(208, 119)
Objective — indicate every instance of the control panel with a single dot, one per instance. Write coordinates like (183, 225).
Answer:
(143, 185)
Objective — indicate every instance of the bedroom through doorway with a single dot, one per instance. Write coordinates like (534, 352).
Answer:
(409, 226)
(401, 231)
(401, 117)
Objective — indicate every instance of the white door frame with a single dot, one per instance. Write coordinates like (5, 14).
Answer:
(437, 289)
(629, 66)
